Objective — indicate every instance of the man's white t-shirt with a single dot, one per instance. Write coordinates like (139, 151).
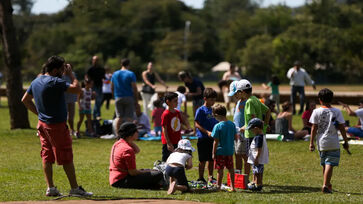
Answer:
(327, 135)
(359, 113)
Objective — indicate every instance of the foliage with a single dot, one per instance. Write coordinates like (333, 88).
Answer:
(322, 33)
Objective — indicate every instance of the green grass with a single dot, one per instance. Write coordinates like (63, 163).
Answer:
(293, 174)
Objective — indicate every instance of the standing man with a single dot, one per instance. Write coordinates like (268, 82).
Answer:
(97, 73)
(196, 89)
(124, 89)
(298, 78)
(50, 106)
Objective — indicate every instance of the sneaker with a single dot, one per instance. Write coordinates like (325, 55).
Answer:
(53, 191)
(79, 191)
(326, 189)
(78, 135)
(202, 180)
(251, 186)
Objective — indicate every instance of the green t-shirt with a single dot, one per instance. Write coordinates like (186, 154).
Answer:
(274, 88)
(253, 109)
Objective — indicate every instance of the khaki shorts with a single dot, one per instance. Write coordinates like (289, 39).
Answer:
(240, 146)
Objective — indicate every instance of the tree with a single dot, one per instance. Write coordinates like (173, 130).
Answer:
(14, 84)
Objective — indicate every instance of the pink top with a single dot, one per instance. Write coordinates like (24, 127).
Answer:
(122, 158)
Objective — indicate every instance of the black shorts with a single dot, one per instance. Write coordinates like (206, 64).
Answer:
(165, 152)
(205, 149)
(178, 173)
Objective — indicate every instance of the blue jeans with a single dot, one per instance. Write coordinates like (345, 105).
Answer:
(98, 102)
(301, 91)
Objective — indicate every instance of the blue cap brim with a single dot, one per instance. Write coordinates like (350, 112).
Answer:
(231, 93)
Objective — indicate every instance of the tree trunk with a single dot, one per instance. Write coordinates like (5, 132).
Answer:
(14, 83)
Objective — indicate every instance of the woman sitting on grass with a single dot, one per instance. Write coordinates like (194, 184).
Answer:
(123, 172)
(283, 124)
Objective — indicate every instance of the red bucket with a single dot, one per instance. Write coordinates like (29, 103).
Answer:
(240, 180)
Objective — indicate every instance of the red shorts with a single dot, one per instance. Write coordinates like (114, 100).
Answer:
(56, 143)
(223, 161)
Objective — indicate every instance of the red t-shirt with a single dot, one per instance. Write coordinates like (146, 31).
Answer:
(307, 115)
(171, 120)
(122, 158)
(156, 114)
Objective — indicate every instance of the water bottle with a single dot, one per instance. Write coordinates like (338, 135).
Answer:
(280, 137)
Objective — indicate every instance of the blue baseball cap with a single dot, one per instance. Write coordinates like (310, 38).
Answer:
(254, 122)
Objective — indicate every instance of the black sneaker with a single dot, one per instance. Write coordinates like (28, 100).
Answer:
(202, 180)
(326, 189)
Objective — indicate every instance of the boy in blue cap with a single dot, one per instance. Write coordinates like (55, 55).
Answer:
(258, 153)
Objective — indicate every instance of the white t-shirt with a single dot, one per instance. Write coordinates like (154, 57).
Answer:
(299, 78)
(106, 86)
(178, 158)
(327, 133)
(263, 159)
(181, 100)
(359, 113)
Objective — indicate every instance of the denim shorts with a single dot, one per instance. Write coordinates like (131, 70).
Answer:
(330, 157)
(358, 132)
(257, 169)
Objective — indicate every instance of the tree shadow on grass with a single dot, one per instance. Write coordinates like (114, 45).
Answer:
(105, 198)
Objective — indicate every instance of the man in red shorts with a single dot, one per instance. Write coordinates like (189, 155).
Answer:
(48, 93)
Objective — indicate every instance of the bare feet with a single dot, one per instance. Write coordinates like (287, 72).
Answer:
(172, 188)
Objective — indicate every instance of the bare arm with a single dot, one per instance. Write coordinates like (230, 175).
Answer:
(314, 129)
(74, 88)
(267, 117)
(265, 86)
(215, 145)
(289, 118)
(189, 163)
(134, 88)
(28, 102)
(349, 111)
(160, 80)
(197, 125)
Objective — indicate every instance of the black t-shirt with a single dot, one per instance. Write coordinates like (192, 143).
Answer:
(96, 74)
(193, 88)
(258, 141)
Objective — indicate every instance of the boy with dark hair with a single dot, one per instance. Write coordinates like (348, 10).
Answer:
(171, 124)
(253, 109)
(204, 123)
(326, 122)
(258, 153)
(224, 134)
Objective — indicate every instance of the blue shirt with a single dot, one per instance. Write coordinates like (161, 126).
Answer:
(205, 119)
(225, 131)
(122, 80)
(48, 93)
(239, 114)
(193, 88)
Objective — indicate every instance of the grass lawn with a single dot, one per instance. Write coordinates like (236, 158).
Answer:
(293, 174)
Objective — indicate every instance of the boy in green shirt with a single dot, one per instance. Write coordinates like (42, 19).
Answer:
(253, 109)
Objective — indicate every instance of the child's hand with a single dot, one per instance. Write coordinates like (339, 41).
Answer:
(312, 147)
(170, 147)
(214, 156)
(209, 133)
(242, 129)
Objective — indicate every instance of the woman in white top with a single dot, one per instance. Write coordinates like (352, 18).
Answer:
(181, 158)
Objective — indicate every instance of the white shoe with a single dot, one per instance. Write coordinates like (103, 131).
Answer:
(109, 137)
(79, 191)
(53, 191)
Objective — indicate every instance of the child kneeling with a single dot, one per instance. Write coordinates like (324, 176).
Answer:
(258, 153)
(177, 161)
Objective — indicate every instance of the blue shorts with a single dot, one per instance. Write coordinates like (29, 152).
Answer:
(330, 157)
(257, 169)
(358, 132)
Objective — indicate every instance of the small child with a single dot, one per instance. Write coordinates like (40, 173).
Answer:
(274, 86)
(171, 124)
(142, 122)
(181, 158)
(326, 122)
(258, 153)
(84, 104)
(356, 131)
(156, 116)
(240, 145)
(204, 123)
(224, 134)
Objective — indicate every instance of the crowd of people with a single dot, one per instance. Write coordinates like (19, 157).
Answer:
(57, 89)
